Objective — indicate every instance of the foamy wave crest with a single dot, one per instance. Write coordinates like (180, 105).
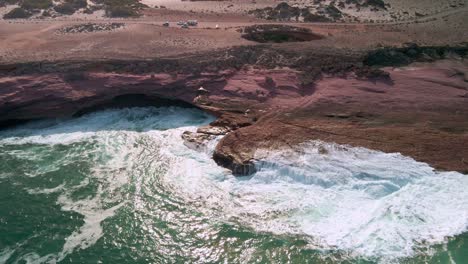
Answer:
(362, 202)
(119, 144)
(68, 131)
(354, 200)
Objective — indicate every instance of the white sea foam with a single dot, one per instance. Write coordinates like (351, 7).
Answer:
(5, 254)
(101, 123)
(363, 202)
(119, 137)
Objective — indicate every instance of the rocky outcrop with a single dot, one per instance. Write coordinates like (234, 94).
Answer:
(237, 97)
(238, 166)
(197, 141)
(421, 112)
(54, 95)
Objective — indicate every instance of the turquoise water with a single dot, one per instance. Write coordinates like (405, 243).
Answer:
(119, 186)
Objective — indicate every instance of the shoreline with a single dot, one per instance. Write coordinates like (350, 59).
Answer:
(420, 111)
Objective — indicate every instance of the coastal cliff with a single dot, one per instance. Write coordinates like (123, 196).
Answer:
(268, 99)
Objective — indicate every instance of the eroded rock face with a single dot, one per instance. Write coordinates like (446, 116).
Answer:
(422, 112)
(53, 95)
(34, 96)
(237, 98)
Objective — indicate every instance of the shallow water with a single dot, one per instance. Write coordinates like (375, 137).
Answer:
(119, 186)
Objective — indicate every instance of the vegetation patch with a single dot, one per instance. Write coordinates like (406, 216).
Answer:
(17, 13)
(121, 8)
(78, 4)
(35, 4)
(284, 12)
(333, 11)
(319, 11)
(278, 34)
(376, 4)
(90, 27)
(65, 9)
(69, 7)
(112, 8)
(121, 11)
(309, 17)
(390, 56)
(8, 2)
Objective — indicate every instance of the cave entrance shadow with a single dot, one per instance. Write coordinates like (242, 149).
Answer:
(133, 100)
(131, 112)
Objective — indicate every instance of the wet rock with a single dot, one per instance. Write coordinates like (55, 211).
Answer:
(322, 150)
(197, 141)
(238, 168)
(213, 130)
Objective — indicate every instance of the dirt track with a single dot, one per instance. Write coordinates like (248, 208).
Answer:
(34, 40)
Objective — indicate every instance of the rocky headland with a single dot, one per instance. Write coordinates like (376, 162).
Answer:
(412, 100)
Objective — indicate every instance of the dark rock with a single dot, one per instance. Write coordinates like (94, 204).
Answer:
(196, 141)
(237, 168)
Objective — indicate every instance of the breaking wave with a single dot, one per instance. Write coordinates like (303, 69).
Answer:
(360, 202)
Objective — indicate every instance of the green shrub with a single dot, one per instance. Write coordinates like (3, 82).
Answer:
(88, 11)
(65, 8)
(78, 4)
(333, 11)
(17, 13)
(377, 3)
(121, 11)
(386, 57)
(36, 4)
(8, 2)
(118, 2)
(309, 17)
(121, 8)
